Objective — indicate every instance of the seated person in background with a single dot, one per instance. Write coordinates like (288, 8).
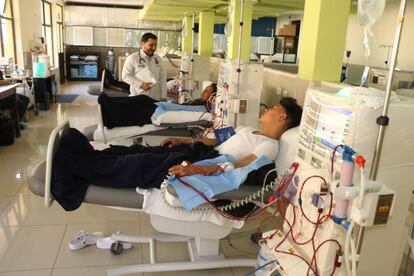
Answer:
(22, 101)
(111, 83)
(209, 91)
(137, 110)
(77, 164)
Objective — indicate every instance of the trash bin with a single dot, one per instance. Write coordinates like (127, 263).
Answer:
(6, 132)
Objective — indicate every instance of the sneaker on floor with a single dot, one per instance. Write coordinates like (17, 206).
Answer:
(83, 239)
(106, 242)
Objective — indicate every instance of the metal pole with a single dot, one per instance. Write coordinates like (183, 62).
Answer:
(192, 47)
(381, 132)
(240, 45)
(383, 120)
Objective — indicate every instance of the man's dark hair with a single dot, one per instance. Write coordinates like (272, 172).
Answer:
(293, 111)
(147, 36)
(214, 86)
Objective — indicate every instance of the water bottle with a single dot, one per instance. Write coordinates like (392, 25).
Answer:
(265, 260)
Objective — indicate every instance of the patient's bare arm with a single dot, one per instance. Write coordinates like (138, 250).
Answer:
(190, 169)
(172, 142)
(245, 161)
(186, 169)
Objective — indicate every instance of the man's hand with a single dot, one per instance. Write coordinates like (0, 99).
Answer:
(181, 170)
(186, 169)
(146, 86)
(172, 142)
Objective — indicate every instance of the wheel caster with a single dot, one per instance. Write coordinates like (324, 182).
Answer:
(36, 112)
(116, 248)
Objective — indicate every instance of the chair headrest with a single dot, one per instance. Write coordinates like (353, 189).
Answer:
(287, 149)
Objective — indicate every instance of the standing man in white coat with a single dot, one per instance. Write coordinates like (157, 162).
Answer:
(146, 58)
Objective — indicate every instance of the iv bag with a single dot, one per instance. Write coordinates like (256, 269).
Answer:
(369, 12)
(184, 31)
(228, 27)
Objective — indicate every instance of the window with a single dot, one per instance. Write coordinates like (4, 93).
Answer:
(59, 21)
(47, 29)
(7, 45)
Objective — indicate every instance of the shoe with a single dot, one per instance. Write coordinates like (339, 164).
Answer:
(106, 242)
(83, 239)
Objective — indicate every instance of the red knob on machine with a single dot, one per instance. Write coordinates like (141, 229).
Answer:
(360, 161)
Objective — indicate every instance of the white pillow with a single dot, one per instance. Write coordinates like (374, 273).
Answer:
(181, 117)
(287, 150)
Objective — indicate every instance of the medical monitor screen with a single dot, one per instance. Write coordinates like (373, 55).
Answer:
(332, 126)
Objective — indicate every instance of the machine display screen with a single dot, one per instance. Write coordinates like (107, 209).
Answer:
(332, 126)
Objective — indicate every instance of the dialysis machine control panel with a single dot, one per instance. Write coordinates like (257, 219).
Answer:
(324, 126)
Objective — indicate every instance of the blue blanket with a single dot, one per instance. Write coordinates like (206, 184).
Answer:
(211, 185)
(163, 107)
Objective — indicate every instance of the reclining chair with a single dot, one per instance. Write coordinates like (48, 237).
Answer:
(202, 237)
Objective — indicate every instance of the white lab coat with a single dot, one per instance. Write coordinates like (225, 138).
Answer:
(131, 68)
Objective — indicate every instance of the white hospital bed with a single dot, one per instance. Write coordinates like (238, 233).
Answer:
(202, 237)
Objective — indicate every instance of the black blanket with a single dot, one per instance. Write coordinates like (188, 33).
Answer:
(77, 165)
(126, 111)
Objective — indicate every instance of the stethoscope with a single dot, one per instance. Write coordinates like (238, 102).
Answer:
(142, 61)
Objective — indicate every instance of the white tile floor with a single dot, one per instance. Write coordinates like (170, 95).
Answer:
(34, 239)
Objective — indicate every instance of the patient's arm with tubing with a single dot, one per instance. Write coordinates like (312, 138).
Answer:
(185, 169)
(172, 142)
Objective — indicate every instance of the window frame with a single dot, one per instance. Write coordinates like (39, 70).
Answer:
(2, 17)
(45, 26)
(60, 27)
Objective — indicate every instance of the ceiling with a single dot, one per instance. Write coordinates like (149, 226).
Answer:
(110, 2)
(175, 10)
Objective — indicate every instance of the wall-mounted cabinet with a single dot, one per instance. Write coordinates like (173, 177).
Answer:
(117, 37)
(82, 36)
(99, 37)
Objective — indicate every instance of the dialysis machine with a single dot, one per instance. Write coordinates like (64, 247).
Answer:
(321, 230)
(193, 71)
(239, 89)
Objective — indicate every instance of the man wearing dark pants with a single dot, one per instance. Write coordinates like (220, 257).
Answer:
(22, 101)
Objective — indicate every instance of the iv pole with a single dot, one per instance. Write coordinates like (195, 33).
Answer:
(383, 120)
(239, 54)
(239, 46)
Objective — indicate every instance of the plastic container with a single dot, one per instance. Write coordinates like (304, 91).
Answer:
(39, 70)
(265, 261)
(6, 132)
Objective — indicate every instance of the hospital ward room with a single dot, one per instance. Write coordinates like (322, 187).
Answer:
(206, 137)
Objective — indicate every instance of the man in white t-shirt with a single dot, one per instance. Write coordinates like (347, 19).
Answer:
(247, 145)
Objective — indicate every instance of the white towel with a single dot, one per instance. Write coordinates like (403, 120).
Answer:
(155, 204)
(373, 97)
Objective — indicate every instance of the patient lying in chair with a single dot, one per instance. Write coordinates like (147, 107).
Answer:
(77, 164)
(138, 110)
